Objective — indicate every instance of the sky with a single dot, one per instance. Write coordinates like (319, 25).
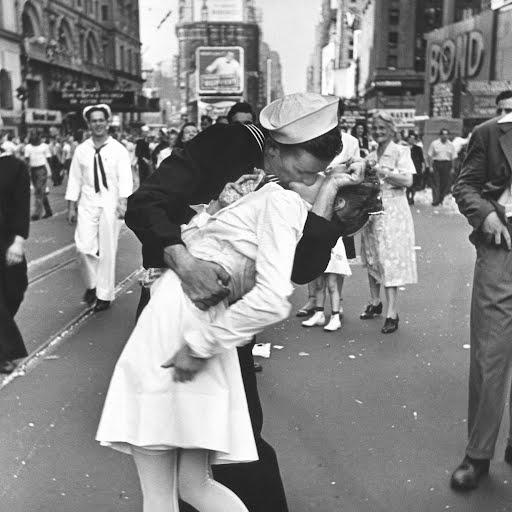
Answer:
(288, 27)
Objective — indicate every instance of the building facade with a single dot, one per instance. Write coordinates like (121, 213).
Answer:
(469, 63)
(10, 66)
(392, 58)
(209, 24)
(70, 49)
(271, 85)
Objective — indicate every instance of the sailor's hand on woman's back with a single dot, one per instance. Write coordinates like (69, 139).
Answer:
(204, 282)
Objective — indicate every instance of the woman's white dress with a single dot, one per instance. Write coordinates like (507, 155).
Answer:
(338, 264)
(254, 240)
(387, 241)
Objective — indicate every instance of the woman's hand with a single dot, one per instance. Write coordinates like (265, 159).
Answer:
(186, 367)
(15, 252)
(121, 208)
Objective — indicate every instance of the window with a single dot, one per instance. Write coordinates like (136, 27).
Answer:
(121, 58)
(394, 16)
(129, 59)
(392, 61)
(34, 94)
(104, 13)
(5, 90)
(393, 39)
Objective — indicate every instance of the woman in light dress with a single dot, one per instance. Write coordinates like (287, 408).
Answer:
(387, 241)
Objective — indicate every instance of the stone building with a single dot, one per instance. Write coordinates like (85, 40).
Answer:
(77, 45)
(10, 69)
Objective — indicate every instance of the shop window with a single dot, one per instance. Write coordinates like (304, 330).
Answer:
(5, 90)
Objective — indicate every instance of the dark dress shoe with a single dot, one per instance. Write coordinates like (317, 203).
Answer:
(508, 455)
(371, 311)
(47, 215)
(390, 325)
(89, 296)
(257, 368)
(35, 217)
(303, 312)
(101, 305)
(468, 474)
(7, 367)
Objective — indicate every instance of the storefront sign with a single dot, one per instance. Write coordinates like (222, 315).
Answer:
(74, 99)
(388, 83)
(219, 10)
(452, 59)
(42, 117)
(220, 70)
(442, 100)
(479, 98)
(403, 117)
(461, 50)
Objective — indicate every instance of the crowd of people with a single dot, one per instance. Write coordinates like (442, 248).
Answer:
(228, 218)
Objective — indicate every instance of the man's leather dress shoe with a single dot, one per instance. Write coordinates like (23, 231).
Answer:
(101, 305)
(467, 476)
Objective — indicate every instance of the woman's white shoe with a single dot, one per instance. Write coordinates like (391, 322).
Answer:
(317, 319)
(334, 323)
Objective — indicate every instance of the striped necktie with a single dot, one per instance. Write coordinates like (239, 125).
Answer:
(99, 162)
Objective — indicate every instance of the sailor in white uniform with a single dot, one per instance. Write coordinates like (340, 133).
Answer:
(100, 181)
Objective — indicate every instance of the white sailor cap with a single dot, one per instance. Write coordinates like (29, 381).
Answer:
(102, 107)
(300, 117)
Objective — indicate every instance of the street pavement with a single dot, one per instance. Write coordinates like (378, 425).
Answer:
(360, 421)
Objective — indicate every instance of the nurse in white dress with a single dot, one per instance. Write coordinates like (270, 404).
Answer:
(176, 401)
(100, 181)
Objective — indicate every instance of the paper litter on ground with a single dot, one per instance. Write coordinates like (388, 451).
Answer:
(261, 350)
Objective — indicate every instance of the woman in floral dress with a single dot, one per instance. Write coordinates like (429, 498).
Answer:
(387, 241)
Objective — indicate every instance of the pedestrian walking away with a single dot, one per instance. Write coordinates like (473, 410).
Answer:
(441, 155)
(14, 226)
(37, 156)
(100, 180)
(483, 194)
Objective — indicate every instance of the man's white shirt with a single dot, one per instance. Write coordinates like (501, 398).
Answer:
(116, 163)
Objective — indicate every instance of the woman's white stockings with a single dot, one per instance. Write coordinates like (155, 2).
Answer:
(164, 475)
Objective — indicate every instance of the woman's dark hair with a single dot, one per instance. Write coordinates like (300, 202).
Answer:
(179, 141)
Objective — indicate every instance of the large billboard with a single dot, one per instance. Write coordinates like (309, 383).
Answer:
(219, 10)
(220, 70)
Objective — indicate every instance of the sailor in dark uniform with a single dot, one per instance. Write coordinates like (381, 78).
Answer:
(14, 226)
(197, 174)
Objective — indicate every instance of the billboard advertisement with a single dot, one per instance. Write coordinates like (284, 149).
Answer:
(220, 70)
(219, 10)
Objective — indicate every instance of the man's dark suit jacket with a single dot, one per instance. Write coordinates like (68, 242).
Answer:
(486, 173)
(197, 174)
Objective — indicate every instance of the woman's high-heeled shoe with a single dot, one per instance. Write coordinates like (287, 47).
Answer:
(390, 325)
(371, 311)
(305, 311)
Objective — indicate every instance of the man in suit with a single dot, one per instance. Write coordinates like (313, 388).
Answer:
(198, 173)
(483, 194)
